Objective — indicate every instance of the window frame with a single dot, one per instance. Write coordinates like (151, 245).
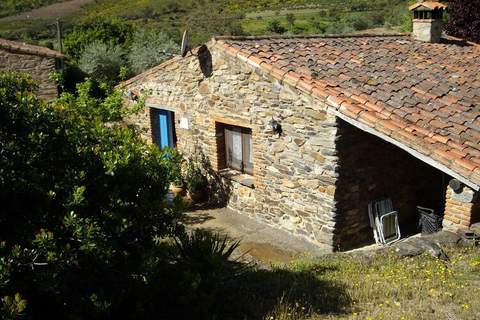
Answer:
(246, 163)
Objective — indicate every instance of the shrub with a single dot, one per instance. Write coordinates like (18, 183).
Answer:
(204, 261)
(299, 28)
(320, 27)
(275, 26)
(360, 23)
(112, 32)
(464, 19)
(103, 62)
(150, 48)
(290, 19)
(176, 163)
(89, 195)
(195, 177)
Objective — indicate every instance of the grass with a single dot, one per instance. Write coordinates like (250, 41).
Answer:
(385, 287)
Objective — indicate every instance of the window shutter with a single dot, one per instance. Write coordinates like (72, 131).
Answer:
(247, 151)
(234, 147)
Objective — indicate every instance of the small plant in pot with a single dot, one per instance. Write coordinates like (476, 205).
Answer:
(196, 181)
(176, 163)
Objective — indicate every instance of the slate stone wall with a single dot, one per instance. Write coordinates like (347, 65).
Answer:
(294, 173)
(371, 169)
(316, 179)
(39, 67)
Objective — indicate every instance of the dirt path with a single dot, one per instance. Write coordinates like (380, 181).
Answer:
(259, 243)
(56, 10)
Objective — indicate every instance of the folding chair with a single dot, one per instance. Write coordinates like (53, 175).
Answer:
(384, 221)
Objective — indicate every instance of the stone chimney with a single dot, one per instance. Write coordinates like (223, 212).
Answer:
(427, 21)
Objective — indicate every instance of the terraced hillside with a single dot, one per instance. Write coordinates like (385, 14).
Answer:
(207, 18)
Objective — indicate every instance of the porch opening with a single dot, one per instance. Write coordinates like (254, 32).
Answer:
(370, 169)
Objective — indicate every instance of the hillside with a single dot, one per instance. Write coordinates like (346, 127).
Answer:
(11, 7)
(207, 18)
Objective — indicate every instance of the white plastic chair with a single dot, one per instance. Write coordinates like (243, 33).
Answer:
(384, 221)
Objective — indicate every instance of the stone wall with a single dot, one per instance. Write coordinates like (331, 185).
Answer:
(462, 209)
(428, 30)
(371, 169)
(294, 173)
(39, 67)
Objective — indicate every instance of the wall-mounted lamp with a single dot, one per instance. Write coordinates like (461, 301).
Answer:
(456, 185)
(276, 126)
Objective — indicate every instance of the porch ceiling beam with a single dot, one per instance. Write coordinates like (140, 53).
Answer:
(413, 152)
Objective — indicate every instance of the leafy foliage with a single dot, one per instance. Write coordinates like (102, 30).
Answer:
(464, 19)
(195, 177)
(275, 26)
(176, 164)
(102, 61)
(112, 32)
(89, 195)
(150, 48)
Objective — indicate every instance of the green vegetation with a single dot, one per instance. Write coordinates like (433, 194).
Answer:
(150, 48)
(381, 287)
(207, 18)
(97, 238)
(99, 241)
(9, 7)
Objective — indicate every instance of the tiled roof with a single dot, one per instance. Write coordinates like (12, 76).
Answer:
(29, 49)
(425, 96)
(428, 4)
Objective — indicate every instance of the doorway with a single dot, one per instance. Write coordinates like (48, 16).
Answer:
(163, 128)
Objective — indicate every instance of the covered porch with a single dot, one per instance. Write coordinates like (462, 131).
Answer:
(370, 168)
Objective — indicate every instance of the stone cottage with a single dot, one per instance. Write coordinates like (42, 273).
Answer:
(38, 61)
(308, 130)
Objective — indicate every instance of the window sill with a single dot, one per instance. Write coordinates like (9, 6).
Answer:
(237, 176)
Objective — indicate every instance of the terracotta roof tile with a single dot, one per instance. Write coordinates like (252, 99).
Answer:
(29, 49)
(426, 96)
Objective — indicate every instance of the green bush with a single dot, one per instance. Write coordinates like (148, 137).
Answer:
(88, 194)
(275, 26)
(176, 164)
(112, 32)
(103, 62)
(360, 23)
(150, 48)
(195, 177)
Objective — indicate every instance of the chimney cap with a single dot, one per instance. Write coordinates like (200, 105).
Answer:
(431, 5)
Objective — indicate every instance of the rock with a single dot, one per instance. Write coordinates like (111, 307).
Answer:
(418, 245)
(278, 147)
(299, 142)
(296, 220)
(317, 115)
(405, 249)
(475, 227)
(317, 156)
(331, 190)
(290, 184)
(444, 238)
(203, 88)
(430, 247)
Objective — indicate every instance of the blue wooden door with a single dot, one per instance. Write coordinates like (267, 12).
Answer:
(166, 128)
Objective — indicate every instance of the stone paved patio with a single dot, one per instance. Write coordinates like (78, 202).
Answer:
(264, 245)
(259, 242)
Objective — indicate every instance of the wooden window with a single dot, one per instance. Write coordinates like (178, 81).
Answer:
(238, 148)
